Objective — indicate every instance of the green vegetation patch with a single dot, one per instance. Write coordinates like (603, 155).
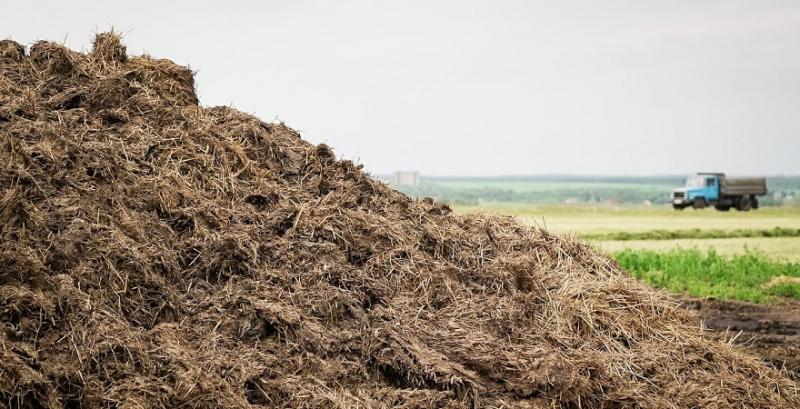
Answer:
(751, 276)
(661, 234)
(553, 189)
(786, 290)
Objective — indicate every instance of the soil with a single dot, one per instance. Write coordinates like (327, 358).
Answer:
(771, 331)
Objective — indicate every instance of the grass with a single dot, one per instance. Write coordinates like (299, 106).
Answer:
(699, 273)
(559, 189)
(661, 234)
(780, 248)
(601, 219)
(729, 255)
(603, 224)
(785, 290)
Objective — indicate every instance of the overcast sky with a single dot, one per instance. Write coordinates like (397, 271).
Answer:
(483, 87)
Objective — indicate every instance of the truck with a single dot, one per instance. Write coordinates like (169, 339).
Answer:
(723, 192)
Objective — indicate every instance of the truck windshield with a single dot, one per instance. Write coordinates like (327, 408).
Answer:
(695, 181)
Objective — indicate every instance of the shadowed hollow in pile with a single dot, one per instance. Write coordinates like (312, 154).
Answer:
(155, 253)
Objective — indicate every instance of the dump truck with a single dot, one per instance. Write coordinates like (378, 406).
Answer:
(723, 192)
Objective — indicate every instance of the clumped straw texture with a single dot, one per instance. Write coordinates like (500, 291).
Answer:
(155, 253)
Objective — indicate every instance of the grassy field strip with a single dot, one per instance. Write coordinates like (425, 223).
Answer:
(578, 191)
(751, 276)
(693, 234)
(528, 209)
(593, 220)
(606, 224)
(780, 248)
(701, 253)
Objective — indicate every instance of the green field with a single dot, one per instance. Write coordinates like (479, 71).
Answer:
(707, 264)
(598, 219)
(698, 252)
(779, 248)
(554, 189)
(751, 276)
(677, 234)
(594, 221)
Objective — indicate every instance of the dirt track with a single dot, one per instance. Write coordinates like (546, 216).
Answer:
(770, 331)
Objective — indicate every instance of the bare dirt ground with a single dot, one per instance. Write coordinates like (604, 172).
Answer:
(770, 331)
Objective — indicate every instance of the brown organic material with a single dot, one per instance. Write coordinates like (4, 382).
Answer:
(155, 253)
(771, 331)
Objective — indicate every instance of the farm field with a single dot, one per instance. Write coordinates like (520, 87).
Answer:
(572, 189)
(597, 221)
(781, 248)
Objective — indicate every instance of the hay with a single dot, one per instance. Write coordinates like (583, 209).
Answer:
(155, 253)
(108, 48)
(11, 49)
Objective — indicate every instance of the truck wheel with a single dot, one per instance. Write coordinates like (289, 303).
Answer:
(678, 207)
(745, 204)
(722, 208)
(699, 203)
(754, 200)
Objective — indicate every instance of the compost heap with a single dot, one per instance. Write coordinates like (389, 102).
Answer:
(156, 253)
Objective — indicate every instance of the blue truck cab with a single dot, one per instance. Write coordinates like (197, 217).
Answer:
(703, 189)
(700, 186)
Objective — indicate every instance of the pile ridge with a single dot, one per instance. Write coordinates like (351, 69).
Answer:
(157, 253)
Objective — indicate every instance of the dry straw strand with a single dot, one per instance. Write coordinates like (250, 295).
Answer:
(157, 253)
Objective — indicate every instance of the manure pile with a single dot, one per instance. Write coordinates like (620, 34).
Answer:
(158, 254)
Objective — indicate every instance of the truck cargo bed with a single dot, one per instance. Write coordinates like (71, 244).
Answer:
(743, 186)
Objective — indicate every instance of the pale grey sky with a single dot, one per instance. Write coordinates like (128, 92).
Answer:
(483, 87)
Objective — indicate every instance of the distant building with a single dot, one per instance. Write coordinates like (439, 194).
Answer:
(405, 178)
